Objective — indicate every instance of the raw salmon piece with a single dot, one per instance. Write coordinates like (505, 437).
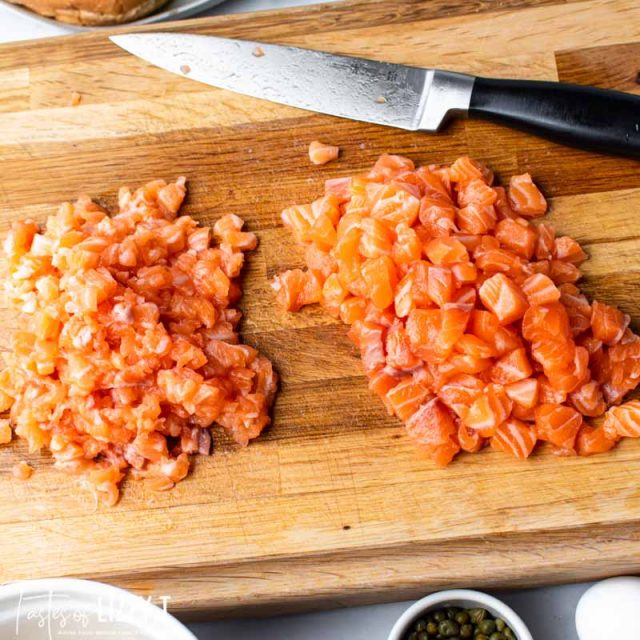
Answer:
(350, 220)
(476, 219)
(608, 323)
(503, 297)
(434, 332)
(432, 427)
(469, 440)
(320, 153)
(546, 241)
(435, 183)
(464, 272)
(446, 251)
(440, 285)
(377, 239)
(558, 424)
(340, 187)
(409, 295)
(591, 441)
(623, 421)
(515, 437)
(322, 262)
(578, 308)
(512, 367)
(352, 309)
(463, 363)
(555, 355)
(333, 294)
(546, 321)
(478, 192)
(438, 216)
(518, 236)
(474, 346)
(540, 289)
(400, 207)
(460, 391)
(398, 348)
(405, 398)
(502, 204)
(383, 317)
(424, 328)
(588, 399)
(549, 395)
(368, 336)
(561, 272)
(489, 410)
(323, 233)
(380, 279)
(525, 197)
(464, 170)
(486, 326)
(572, 376)
(470, 241)
(499, 261)
(568, 250)
(464, 299)
(381, 382)
(296, 288)
(407, 247)
(387, 166)
(523, 392)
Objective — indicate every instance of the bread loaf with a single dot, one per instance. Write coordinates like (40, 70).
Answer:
(93, 12)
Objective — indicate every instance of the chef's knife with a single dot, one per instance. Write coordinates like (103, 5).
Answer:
(396, 95)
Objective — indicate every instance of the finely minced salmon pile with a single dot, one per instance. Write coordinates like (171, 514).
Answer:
(127, 348)
(469, 324)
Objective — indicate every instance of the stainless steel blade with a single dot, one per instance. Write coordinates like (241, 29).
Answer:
(389, 94)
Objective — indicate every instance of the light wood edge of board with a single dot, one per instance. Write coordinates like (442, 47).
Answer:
(373, 576)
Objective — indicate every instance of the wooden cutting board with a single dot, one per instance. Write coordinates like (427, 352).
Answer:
(333, 505)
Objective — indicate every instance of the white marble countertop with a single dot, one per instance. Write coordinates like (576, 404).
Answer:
(548, 612)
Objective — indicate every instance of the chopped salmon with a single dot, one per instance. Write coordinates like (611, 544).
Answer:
(471, 327)
(515, 437)
(320, 153)
(128, 350)
(525, 197)
(503, 297)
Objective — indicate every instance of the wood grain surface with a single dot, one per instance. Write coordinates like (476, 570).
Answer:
(333, 505)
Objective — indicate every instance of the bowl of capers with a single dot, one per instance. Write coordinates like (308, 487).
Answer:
(459, 614)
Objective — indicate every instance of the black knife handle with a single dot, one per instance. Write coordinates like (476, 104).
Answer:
(586, 117)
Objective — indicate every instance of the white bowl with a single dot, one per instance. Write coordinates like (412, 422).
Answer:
(460, 598)
(68, 608)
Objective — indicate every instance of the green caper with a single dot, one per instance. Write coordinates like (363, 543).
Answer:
(432, 628)
(466, 631)
(487, 626)
(452, 612)
(477, 615)
(413, 636)
(421, 625)
(500, 624)
(496, 636)
(423, 636)
(508, 634)
(449, 628)
(439, 616)
(462, 617)
(481, 636)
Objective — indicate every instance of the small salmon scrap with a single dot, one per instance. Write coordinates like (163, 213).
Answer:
(470, 326)
(320, 153)
(128, 350)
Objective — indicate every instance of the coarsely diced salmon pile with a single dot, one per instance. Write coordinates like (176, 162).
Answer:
(469, 323)
(127, 348)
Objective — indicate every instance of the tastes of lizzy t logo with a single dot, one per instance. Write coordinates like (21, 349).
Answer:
(57, 616)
